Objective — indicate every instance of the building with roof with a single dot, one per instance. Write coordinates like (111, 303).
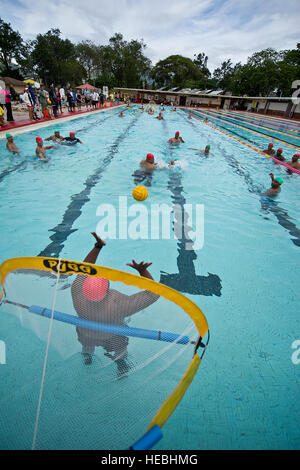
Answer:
(273, 105)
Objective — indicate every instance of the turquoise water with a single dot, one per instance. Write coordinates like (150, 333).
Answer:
(246, 392)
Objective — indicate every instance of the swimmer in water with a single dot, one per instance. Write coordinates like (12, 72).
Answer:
(72, 139)
(294, 162)
(150, 111)
(275, 186)
(206, 151)
(173, 162)
(121, 114)
(149, 163)
(269, 150)
(56, 137)
(10, 145)
(279, 155)
(159, 116)
(94, 300)
(176, 140)
(41, 150)
(190, 116)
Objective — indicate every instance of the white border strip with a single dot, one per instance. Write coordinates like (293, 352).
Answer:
(51, 122)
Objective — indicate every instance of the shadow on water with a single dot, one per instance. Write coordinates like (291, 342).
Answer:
(186, 280)
(64, 229)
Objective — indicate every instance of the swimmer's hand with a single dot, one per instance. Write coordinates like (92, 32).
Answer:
(141, 267)
(100, 242)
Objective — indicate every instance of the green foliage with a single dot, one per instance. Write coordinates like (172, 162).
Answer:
(176, 71)
(201, 62)
(54, 58)
(11, 48)
(267, 71)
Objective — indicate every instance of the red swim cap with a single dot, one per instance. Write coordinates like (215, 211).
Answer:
(38, 139)
(177, 133)
(95, 288)
(150, 156)
(297, 155)
(72, 133)
(280, 150)
(270, 145)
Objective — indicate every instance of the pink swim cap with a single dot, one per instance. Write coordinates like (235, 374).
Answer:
(72, 133)
(38, 139)
(95, 288)
(150, 156)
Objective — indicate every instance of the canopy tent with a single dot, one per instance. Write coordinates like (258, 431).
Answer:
(32, 82)
(87, 86)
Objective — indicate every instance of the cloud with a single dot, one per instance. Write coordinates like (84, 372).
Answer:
(221, 28)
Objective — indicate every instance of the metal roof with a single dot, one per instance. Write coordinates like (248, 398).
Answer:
(215, 92)
(270, 98)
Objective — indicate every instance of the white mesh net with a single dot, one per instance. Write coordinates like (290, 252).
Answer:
(100, 389)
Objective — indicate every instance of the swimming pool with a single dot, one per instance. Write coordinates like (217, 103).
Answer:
(245, 394)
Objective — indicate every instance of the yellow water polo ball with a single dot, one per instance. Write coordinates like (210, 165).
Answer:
(140, 193)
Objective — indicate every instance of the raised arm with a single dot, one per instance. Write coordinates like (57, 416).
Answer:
(136, 302)
(93, 254)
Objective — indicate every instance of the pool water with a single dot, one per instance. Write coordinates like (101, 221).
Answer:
(246, 392)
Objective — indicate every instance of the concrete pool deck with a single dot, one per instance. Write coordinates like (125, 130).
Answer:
(25, 125)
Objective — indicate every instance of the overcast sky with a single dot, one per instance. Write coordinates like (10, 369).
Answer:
(221, 28)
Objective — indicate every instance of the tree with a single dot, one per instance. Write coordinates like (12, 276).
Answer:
(124, 62)
(55, 59)
(88, 57)
(201, 62)
(224, 74)
(11, 49)
(177, 71)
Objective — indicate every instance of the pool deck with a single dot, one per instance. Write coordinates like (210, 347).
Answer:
(22, 125)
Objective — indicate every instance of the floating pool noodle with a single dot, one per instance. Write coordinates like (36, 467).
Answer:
(109, 328)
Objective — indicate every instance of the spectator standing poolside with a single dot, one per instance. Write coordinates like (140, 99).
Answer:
(43, 96)
(95, 99)
(79, 100)
(54, 102)
(62, 93)
(59, 100)
(70, 100)
(26, 98)
(1, 116)
(9, 116)
(101, 99)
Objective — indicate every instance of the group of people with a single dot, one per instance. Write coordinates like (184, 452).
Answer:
(278, 155)
(49, 103)
(41, 149)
